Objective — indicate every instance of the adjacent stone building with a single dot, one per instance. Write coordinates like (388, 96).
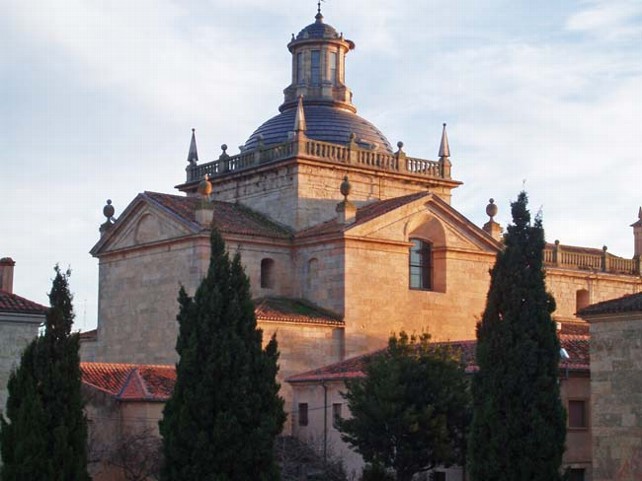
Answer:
(318, 403)
(616, 388)
(124, 404)
(20, 319)
(345, 239)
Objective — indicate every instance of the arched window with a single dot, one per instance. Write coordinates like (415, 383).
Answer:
(267, 273)
(420, 265)
(312, 274)
(581, 299)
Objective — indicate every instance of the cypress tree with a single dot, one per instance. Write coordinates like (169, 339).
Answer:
(45, 437)
(518, 427)
(225, 411)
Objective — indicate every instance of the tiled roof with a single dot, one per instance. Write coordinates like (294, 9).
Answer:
(89, 335)
(182, 206)
(363, 215)
(130, 382)
(19, 305)
(349, 369)
(323, 122)
(630, 303)
(376, 209)
(576, 346)
(228, 217)
(574, 328)
(296, 311)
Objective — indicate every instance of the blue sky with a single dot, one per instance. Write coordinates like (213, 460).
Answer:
(97, 100)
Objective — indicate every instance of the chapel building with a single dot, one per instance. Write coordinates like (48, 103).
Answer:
(345, 239)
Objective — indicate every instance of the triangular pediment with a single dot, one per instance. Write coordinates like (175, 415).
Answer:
(144, 222)
(428, 215)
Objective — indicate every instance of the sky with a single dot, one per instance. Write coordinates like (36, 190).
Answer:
(98, 99)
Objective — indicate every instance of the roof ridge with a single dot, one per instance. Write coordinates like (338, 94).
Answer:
(29, 306)
(132, 377)
(257, 214)
(124, 364)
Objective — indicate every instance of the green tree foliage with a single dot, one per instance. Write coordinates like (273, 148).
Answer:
(518, 427)
(410, 412)
(225, 411)
(376, 472)
(45, 435)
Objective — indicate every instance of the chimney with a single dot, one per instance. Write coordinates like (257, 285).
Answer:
(6, 274)
(637, 235)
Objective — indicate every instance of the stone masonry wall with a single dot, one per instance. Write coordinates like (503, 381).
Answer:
(616, 398)
(300, 347)
(270, 190)
(137, 303)
(111, 425)
(578, 440)
(139, 290)
(303, 194)
(14, 337)
(319, 275)
(565, 283)
(381, 302)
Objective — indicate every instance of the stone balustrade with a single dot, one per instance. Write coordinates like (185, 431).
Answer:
(350, 154)
(557, 256)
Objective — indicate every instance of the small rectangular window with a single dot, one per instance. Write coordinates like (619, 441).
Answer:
(577, 415)
(420, 264)
(438, 476)
(315, 69)
(576, 474)
(300, 63)
(336, 414)
(332, 60)
(303, 414)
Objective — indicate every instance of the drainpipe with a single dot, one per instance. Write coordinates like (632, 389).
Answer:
(325, 422)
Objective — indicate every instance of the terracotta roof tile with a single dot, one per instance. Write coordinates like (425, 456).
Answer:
(89, 336)
(130, 382)
(578, 349)
(376, 209)
(630, 303)
(363, 215)
(576, 346)
(298, 311)
(133, 389)
(228, 217)
(19, 305)
(349, 369)
(159, 380)
(574, 328)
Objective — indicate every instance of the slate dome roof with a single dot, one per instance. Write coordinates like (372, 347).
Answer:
(317, 29)
(325, 123)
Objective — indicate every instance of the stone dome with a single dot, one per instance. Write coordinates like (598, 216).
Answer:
(325, 123)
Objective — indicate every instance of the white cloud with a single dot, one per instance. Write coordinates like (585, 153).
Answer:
(151, 51)
(608, 19)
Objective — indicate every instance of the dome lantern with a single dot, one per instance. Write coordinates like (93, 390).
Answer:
(318, 77)
(318, 67)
